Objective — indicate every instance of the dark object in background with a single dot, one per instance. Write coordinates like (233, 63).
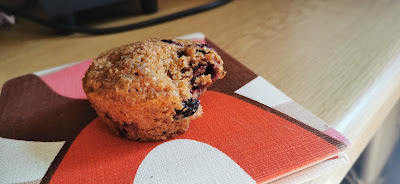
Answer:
(149, 6)
(69, 11)
(67, 24)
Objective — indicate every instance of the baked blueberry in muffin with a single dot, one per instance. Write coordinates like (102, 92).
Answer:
(149, 90)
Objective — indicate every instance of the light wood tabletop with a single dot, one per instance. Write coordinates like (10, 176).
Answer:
(338, 59)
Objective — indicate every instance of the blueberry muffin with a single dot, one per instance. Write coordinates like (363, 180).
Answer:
(149, 90)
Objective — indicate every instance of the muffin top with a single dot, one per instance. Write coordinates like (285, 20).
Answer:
(154, 68)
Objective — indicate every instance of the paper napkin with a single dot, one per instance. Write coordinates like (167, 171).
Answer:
(250, 132)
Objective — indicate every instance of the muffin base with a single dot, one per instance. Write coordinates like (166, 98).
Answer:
(166, 130)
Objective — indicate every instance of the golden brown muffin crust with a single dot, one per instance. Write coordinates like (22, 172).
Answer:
(144, 84)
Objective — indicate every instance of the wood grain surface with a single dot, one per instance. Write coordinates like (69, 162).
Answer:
(339, 59)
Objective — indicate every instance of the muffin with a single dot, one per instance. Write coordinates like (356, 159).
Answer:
(149, 90)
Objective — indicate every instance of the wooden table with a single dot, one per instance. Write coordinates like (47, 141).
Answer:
(339, 59)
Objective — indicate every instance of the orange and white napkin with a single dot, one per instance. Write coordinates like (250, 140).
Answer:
(250, 132)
